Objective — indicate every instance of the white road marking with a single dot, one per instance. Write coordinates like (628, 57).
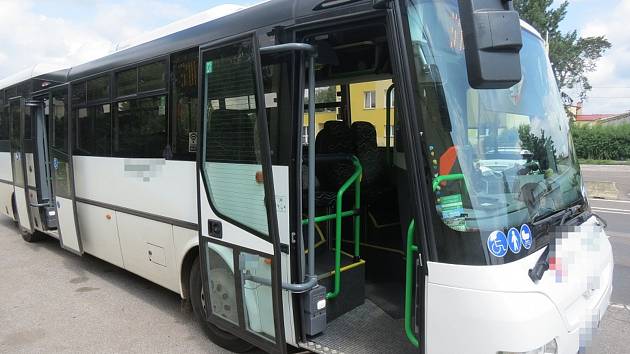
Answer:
(610, 212)
(620, 306)
(607, 211)
(611, 209)
(595, 200)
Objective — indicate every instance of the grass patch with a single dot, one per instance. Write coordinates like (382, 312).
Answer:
(602, 162)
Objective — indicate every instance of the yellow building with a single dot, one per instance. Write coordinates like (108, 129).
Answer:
(367, 103)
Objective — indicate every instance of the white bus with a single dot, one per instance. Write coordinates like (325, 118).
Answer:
(191, 159)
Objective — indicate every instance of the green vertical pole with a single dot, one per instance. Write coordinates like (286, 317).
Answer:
(411, 248)
(337, 278)
(357, 218)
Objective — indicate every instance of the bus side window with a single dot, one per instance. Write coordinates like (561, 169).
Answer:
(4, 123)
(93, 121)
(328, 99)
(185, 103)
(140, 125)
(59, 127)
(368, 104)
(276, 88)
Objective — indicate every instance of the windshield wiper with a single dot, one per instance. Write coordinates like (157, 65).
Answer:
(542, 264)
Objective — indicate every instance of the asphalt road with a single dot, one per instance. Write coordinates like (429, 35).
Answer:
(614, 333)
(54, 301)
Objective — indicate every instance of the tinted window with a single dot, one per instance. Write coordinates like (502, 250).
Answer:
(98, 89)
(126, 82)
(152, 77)
(28, 128)
(60, 122)
(4, 124)
(78, 94)
(140, 127)
(93, 135)
(18, 171)
(15, 123)
(185, 104)
(11, 92)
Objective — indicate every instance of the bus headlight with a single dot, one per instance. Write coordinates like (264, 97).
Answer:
(549, 348)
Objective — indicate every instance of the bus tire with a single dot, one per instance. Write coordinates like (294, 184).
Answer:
(216, 335)
(14, 207)
(31, 237)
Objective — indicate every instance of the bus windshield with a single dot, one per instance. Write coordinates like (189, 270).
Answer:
(500, 158)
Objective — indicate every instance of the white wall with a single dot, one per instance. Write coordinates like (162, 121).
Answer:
(6, 171)
(99, 233)
(154, 186)
(6, 190)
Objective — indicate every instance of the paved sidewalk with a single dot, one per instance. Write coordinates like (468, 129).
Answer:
(617, 175)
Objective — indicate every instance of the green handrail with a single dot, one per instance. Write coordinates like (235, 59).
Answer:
(327, 217)
(411, 248)
(452, 177)
(338, 215)
(356, 219)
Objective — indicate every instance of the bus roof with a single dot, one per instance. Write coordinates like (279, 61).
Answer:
(47, 71)
(218, 22)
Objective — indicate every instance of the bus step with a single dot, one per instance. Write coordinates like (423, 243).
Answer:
(318, 348)
(352, 292)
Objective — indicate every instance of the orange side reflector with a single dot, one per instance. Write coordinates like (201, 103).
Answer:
(259, 177)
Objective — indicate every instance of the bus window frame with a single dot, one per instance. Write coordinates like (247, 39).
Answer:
(172, 119)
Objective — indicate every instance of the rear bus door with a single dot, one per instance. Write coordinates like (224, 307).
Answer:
(239, 245)
(59, 145)
(18, 157)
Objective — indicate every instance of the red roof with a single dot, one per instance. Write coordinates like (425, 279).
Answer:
(591, 117)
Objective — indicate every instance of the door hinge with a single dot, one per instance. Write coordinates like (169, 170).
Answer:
(284, 248)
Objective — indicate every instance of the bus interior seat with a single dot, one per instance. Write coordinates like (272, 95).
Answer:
(377, 189)
(334, 138)
(371, 157)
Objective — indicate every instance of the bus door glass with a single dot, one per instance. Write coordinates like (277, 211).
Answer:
(39, 164)
(239, 245)
(18, 157)
(62, 178)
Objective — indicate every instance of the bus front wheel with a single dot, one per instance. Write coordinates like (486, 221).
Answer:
(198, 301)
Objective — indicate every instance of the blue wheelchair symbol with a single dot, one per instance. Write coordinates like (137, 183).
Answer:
(56, 163)
(526, 236)
(514, 240)
(497, 244)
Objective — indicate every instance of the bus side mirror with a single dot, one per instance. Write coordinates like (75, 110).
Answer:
(492, 40)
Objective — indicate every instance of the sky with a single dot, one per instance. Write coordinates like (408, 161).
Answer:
(66, 32)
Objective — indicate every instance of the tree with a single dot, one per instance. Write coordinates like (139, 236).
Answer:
(572, 57)
(326, 94)
(542, 148)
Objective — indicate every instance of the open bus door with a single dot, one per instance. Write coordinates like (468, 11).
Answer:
(40, 195)
(238, 241)
(416, 243)
(59, 147)
(18, 157)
